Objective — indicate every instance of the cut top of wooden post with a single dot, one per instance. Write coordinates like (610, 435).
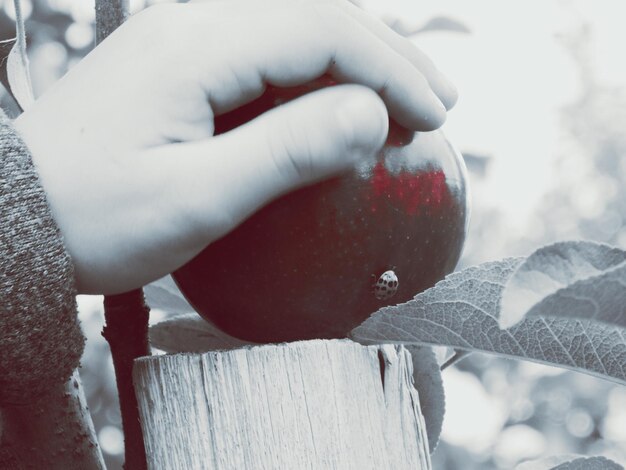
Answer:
(321, 404)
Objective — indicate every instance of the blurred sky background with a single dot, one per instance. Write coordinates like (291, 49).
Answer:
(541, 121)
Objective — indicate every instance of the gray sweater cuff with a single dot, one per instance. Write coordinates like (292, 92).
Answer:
(40, 337)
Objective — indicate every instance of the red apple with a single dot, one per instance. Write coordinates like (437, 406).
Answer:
(305, 266)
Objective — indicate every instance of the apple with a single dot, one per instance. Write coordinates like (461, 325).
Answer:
(316, 262)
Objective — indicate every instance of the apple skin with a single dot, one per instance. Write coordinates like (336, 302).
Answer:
(304, 266)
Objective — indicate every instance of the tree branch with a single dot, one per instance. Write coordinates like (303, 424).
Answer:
(126, 331)
(110, 14)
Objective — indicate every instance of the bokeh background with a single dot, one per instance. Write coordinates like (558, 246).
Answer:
(541, 122)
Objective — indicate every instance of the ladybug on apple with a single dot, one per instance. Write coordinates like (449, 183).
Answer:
(316, 262)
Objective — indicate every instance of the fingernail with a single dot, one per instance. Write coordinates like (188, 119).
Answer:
(439, 111)
(437, 103)
(451, 95)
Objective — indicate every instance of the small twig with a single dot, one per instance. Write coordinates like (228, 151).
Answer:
(110, 14)
(456, 357)
(126, 331)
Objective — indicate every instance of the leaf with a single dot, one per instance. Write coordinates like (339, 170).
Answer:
(16, 75)
(568, 279)
(163, 294)
(19, 78)
(589, 463)
(462, 312)
(429, 385)
(5, 49)
(570, 462)
(190, 332)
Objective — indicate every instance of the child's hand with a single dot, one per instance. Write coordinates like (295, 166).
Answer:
(124, 142)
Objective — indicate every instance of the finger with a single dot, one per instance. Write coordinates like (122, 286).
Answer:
(441, 85)
(322, 39)
(221, 181)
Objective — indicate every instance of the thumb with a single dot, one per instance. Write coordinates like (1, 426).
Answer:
(315, 136)
(299, 143)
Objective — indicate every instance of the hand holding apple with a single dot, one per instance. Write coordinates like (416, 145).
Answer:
(124, 144)
(317, 261)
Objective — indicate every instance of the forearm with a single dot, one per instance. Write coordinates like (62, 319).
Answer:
(40, 337)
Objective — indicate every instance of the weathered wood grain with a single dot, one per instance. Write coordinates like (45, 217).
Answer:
(331, 404)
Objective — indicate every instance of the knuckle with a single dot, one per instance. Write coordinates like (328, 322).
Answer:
(291, 152)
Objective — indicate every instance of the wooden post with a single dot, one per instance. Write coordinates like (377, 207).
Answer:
(331, 404)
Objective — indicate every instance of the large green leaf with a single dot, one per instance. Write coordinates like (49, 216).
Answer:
(573, 279)
(462, 312)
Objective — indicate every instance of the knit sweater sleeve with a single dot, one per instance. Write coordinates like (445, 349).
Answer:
(40, 337)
